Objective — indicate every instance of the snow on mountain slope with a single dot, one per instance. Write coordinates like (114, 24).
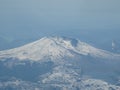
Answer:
(85, 84)
(64, 63)
(55, 48)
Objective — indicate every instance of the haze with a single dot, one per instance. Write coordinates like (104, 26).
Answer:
(84, 19)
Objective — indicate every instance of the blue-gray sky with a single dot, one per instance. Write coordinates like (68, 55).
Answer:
(22, 17)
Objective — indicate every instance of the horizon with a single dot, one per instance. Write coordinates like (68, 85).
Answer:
(24, 21)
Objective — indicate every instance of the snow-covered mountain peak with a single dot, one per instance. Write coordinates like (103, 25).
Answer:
(64, 62)
(63, 41)
(54, 48)
(43, 48)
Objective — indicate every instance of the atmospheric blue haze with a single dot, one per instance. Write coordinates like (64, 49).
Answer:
(60, 63)
(22, 21)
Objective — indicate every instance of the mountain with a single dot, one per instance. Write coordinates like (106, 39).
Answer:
(55, 47)
(59, 63)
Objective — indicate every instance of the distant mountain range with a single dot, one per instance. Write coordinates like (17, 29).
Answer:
(59, 63)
